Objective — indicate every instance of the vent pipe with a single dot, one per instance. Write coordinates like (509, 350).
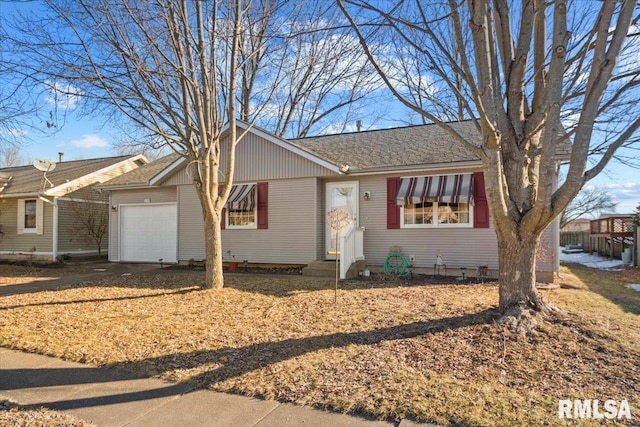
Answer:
(60, 157)
(359, 125)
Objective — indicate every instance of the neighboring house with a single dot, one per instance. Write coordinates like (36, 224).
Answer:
(579, 224)
(37, 209)
(412, 187)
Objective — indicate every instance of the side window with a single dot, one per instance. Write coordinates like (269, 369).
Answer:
(241, 207)
(237, 218)
(30, 215)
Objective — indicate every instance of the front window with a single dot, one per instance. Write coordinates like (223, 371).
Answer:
(432, 214)
(453, 213)
(419, 214)
(237, 218)
(30, 214)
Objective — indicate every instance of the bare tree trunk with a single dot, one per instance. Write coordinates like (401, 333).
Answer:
(517, 278)
(213, 251)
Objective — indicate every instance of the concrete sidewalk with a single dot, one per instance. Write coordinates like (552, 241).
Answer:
(107, 397)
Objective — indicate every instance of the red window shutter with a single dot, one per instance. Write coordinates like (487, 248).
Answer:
(263, 201)
(480, 208)
(393, 210)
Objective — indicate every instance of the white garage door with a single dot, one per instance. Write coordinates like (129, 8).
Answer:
(148, 233)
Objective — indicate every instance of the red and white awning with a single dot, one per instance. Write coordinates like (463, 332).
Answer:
(242, 197)
(437, 188)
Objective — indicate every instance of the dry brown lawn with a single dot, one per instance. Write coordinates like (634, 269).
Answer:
(388, 348)
(13, 415)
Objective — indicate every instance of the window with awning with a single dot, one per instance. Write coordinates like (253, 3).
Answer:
(242, 197)
(435, 189)
(247, 207)
(424, 214)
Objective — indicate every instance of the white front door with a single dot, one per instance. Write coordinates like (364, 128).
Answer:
(343, 195)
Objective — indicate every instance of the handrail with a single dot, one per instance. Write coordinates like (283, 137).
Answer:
(351, 248)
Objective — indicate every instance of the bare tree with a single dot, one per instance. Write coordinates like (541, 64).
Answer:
(25, 106)
(170, 68)
(537, 78)
(315, 74)
(90, 219)
(13, 109)
(178, 74)
(10, 156)
(589, 201)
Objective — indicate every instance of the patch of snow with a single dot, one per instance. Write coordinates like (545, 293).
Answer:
(593, 261)
(634, 287)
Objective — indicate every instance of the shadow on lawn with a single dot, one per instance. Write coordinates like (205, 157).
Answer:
(80, 301)
(234, 362)
(279, 286)
(606, 284)
(121, 276)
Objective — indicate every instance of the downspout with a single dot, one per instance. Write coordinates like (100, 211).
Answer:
(55, 225)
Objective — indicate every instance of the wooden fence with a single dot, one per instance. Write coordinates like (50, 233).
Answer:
(601, 245)
(576, 238)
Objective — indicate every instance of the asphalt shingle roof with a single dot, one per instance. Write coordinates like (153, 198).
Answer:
(27, 179)
(402, 147)
(144, 173)
(397, 147)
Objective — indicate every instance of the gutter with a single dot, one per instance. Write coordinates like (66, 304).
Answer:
(473, 164)
(20, 195)
(133, 186)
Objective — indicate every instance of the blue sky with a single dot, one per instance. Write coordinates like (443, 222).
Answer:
(82, 137)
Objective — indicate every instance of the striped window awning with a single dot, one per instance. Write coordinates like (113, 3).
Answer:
(437, 188)
(242, 197)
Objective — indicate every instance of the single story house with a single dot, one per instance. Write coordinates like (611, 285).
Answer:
(410, 189)
(39, 210)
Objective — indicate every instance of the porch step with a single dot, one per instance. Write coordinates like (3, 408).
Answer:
(328, 269)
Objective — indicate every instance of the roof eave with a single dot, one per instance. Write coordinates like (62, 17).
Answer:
(20, 195)
(85, 180)
(164, 173)
(465, 164)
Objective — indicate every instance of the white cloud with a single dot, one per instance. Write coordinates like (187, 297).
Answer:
(63, 95)
(626, 194)
(90, 141)
(13, 132)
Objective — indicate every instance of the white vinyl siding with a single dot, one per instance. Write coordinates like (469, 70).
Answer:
(260, 160)
(190, 224)
(291, 238)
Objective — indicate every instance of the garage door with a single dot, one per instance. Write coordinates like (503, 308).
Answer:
(148, 233)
